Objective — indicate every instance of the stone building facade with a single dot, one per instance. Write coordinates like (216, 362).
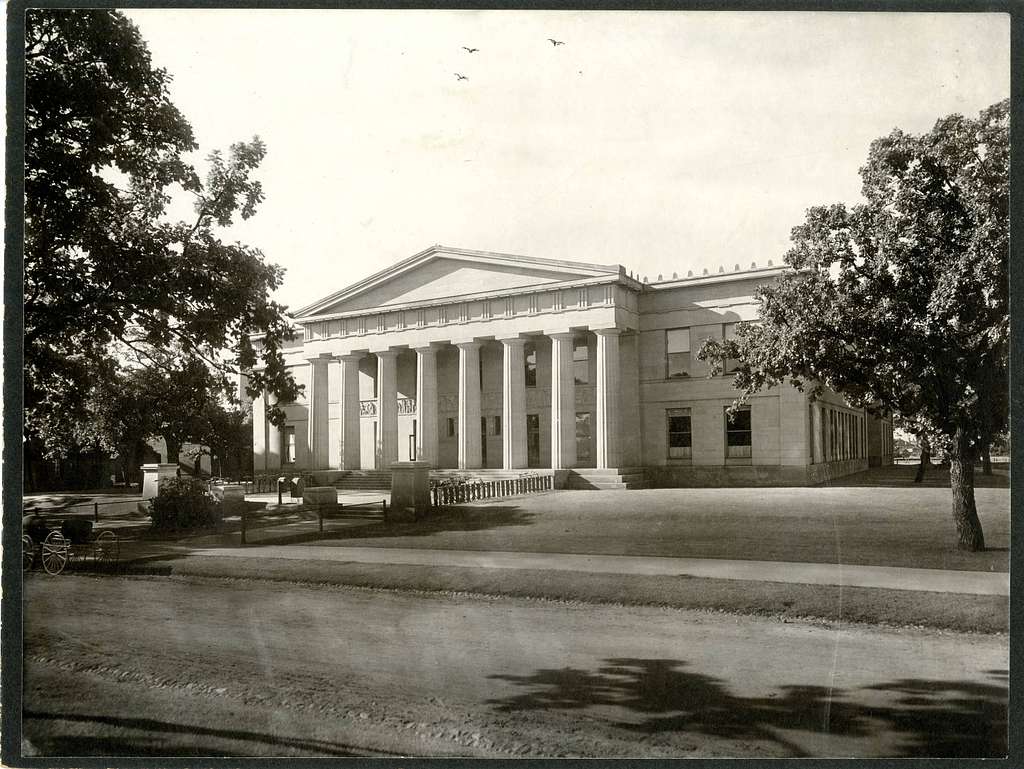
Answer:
(484, 362)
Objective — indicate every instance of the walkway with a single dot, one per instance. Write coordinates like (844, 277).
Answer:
(889, 577)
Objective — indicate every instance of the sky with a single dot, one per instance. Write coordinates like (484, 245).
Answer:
(662, 141)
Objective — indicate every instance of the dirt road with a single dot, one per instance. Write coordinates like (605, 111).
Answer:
(162, 665)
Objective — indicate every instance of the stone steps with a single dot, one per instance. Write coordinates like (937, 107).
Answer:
(606, 478)
(363, 480)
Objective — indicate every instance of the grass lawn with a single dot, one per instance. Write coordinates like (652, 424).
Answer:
(788, 602)
(878, 517)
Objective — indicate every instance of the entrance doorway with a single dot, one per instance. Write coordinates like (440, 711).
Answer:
(533, 440)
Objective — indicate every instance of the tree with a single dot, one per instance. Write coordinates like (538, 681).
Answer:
(900, 303)
(105, 274)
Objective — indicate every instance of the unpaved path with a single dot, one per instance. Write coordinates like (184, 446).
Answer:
(156, 665)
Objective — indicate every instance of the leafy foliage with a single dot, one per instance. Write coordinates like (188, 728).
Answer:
(900, 303)
(107, 276)
(184, 503)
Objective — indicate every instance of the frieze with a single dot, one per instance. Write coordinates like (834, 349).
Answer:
(368, 408)
(407, 406)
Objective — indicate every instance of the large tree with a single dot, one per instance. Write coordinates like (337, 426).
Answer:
(900, 303)
(107, 276)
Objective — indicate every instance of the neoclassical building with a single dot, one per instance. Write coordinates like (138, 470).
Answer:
(486, 362)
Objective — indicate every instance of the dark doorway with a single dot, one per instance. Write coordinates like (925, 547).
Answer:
(533, 440)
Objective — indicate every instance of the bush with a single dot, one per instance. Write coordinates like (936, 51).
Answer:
(184, 503)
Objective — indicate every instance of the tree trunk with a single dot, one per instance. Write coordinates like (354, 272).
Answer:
(926, 461)
(961, 483)
(173, 449)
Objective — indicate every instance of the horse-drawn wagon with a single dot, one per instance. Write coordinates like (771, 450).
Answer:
(73, 539)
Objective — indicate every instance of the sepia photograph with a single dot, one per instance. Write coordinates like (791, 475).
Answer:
(507, 383)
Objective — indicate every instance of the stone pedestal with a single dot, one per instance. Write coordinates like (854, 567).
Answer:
(410, 491)
(155, 474)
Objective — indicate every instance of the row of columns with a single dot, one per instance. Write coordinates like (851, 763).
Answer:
(514, 447)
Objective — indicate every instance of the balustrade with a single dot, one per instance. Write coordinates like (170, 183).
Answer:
(456, 493)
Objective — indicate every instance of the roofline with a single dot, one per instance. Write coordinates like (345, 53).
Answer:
(720, 277)
(436, 249)
(623, 280)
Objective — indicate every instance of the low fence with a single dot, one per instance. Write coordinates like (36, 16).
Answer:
(322, 512)
(267, 484)
(458, 492)
(82, 509)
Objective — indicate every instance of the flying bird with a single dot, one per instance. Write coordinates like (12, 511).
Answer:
(555, 42)
(470, 50)
(461, 77)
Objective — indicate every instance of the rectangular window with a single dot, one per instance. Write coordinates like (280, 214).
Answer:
(680, 435)
(288, 445)
(451, 427)
(581, 361)
(729, 333)
(738, 434)
(583, 433)
(677, 352)
(530, 356)
(497, 426)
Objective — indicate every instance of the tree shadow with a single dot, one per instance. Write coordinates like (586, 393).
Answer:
(902, 476)
(92, 745)
(937, 718)
(455, 519)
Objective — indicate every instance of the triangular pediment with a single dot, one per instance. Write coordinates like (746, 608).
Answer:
(441, 273)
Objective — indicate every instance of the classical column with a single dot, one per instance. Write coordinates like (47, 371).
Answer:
(273, 438)
(470, 455)
(387, 407)
(349, 452)
(607, 397)
(816, 449)
(513, 404)
(426, 405)
(259, 434)
(316, 398)
(563, 402)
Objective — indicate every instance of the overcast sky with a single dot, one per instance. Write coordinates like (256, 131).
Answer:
(663, 141)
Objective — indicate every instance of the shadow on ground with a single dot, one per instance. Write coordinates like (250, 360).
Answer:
(197, 740)
(455, 519)
(935, 718)
(902, 476)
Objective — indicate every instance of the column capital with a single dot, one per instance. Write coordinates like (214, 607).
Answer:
(323, 357)
(472, 344)
(389, 353)
(352, 357)
(561, 335)
(513, 341)
(608, 331)
(431, 347)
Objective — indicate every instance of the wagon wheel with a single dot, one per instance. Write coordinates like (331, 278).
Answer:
(56, 552)
(28, 552)
(106, 549)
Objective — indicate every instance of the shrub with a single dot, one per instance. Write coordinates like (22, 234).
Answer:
(184, 503)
